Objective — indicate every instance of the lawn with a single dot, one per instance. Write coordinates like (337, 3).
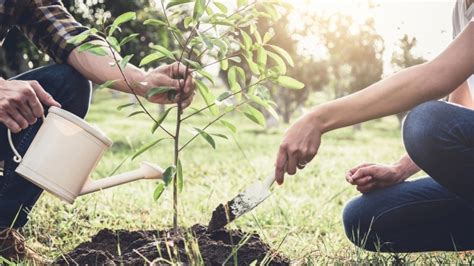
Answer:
(302, 218)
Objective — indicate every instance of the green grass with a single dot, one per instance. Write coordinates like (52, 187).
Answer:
(302, 218)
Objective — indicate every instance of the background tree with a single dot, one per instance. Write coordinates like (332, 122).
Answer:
(404, 58)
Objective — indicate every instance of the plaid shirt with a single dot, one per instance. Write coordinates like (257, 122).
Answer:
(46, 23)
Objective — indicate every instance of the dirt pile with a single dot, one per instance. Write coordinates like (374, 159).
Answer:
(194, 246)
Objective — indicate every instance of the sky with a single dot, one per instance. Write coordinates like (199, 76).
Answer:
(427, 20)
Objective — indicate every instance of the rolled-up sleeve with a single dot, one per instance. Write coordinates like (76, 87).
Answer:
(49, 26)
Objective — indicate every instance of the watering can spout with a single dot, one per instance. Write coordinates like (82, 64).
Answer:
(146, 171)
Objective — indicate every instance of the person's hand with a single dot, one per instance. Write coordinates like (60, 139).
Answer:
(21, 103)
(299, 146)
(369, 177)
(171, 76)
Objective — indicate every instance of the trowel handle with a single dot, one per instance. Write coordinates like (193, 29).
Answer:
(269, 181)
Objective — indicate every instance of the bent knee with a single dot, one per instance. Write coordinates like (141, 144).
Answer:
(357, 221)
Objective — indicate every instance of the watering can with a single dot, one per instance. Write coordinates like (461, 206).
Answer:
(65, 152)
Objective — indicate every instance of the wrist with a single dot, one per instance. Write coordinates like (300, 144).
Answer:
(401, 170)
(320, 118)
(138, 80)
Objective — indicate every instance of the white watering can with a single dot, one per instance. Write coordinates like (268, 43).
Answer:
(64, 153)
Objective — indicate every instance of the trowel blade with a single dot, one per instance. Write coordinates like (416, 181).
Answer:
(238, 206)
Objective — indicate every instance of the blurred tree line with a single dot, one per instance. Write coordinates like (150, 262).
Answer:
(346, 56)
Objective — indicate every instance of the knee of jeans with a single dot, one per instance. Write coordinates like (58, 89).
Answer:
(78, 90)
(358, 224)
(420, 129)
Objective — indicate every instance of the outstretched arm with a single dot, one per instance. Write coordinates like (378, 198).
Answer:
(401, 92)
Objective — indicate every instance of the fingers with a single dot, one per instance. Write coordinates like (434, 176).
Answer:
(18, 117)
(363, 181)
(367, 188)
(353, 170)
(280, 166)
(11, 124)
(43, 96)
(28, 114)
(292, 163)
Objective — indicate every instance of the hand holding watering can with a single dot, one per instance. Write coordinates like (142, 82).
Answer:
(65, 152)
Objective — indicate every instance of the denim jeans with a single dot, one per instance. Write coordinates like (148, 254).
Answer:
(72, 91)
(429, 214)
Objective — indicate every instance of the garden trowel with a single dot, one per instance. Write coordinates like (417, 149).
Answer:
(240, 205)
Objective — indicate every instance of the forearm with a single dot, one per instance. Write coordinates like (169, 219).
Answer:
(462, 96)
(100, 69)
(403, 90)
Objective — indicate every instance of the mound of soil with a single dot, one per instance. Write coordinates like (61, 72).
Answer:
(192, 246)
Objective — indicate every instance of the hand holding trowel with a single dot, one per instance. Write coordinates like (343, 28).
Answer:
(240, 205)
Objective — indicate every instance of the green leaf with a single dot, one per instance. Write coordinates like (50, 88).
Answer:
(268, 36)
(289, 82)
(255, 115)
(253, 67)
(247, 40)
(123, 63)
(206, 75)
(221, 7)
(113, 42)
(158, 191)
(229, 125)
(222, 136)
(241, 3)
(160, 119)
(232, 78)
(80, 37)
(261, 56)
(280, 64)
(168, 175)
(207, 137)
(151, 57)
(179, 175)
(106, 84)
(136, 113)
(128, 38)
(100, 51)
(163, 50)
(87, 46)
(159, 90)
(177, 2)
(146, 147)
(224, 96)
(283, 53)
(155, 22)
(125, 17)
(199, 8)
(206, 94)
(225, 64)
(125, 106)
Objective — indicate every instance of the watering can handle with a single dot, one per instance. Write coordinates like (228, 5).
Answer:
(17, 158)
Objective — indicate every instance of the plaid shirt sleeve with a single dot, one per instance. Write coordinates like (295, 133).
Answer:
(49, 26)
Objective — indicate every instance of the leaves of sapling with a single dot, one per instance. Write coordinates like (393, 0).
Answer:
(283, 53)
(280, 64)
(159, 90)
(80, 37)
(289, 83)
(114, 43)
(207, 137)
(160, 187)
(160, 119)
(169, 174)
(206, 75)
(229, 125)
(146, 147)
(246, 39)
(163, 50)
(136, 113)
(123, 106)
(261, 57)
(106, 84)
(255, 115)
(155, 22)
(124, 61)
(241, 3)
(199, 8)
(128, 38)
(177, 2)
(151, 58)
(125, 17)
(221, 7)
(208, 97)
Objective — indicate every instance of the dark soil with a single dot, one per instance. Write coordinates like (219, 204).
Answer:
(220, 217)
(191, 247)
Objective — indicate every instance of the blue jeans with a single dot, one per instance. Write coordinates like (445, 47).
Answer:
(429, 214)
(72, 91)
